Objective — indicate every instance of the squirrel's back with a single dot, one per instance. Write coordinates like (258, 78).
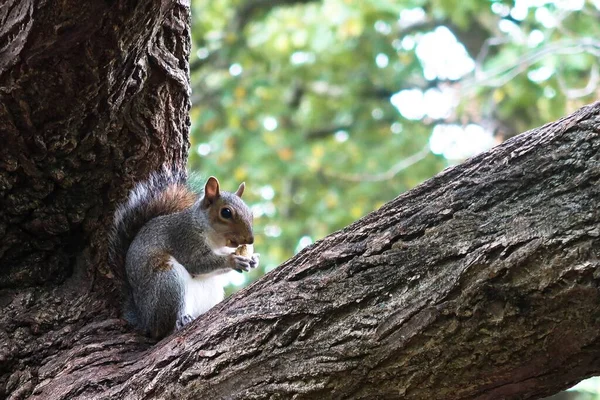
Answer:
(164, 192)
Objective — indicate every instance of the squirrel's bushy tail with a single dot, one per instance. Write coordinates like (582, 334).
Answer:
(164, 192)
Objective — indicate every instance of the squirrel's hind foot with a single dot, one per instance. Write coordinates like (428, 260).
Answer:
(183, 321)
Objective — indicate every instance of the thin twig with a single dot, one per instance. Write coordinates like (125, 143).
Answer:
(383, 176)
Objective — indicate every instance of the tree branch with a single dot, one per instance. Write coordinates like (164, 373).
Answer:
(252, 7)
(499, 76)
(383, 176)
(326, 131)
(480, 283)
(243, 15)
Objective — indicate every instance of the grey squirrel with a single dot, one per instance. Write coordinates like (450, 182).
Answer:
(168, 244)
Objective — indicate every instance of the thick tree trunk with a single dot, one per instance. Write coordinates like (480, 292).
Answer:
(93, 95)
(482, 283)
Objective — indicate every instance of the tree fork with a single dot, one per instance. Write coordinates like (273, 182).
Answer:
(481, 283)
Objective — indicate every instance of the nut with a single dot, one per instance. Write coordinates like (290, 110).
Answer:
(245, 250)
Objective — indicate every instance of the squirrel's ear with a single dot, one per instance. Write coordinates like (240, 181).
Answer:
(211, 189)
(240, 190)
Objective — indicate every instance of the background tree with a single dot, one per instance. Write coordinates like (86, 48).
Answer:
(331, 108)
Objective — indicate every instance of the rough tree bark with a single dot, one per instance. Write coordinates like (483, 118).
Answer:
(482, 283)
(93, 95)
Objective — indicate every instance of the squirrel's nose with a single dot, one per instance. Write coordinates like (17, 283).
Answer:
(250, 240)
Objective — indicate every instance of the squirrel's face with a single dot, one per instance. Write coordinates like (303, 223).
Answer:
(228, 215)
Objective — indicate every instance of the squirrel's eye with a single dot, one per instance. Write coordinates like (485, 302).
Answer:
(226, 213)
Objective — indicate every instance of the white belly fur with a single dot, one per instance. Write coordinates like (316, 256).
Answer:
(202, 292)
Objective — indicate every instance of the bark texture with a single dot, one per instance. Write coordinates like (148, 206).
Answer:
(93, 96)
(481, 283)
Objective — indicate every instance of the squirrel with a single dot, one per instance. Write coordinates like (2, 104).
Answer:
(168, 244)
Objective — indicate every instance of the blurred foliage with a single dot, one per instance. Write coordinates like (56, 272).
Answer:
(297, 97)
(328, 109)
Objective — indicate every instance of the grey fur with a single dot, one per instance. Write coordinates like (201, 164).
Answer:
(155, 296)
(133, 214)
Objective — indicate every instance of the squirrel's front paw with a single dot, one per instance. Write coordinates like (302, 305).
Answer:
(242, 263)
(255, 259)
